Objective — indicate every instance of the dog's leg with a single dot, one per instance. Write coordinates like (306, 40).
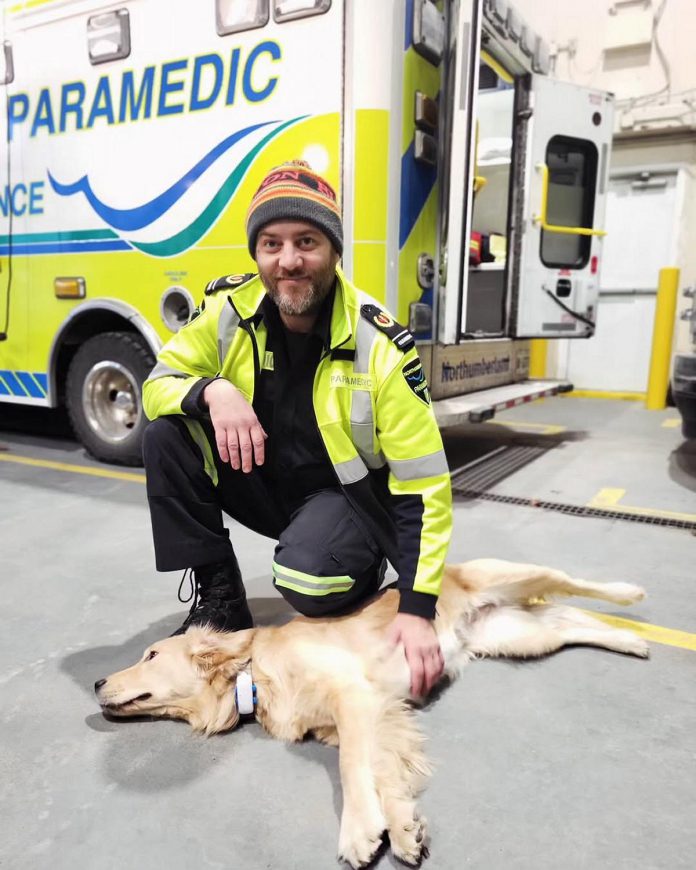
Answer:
(519, 583)
(560, 583)
(542, 629)
(574, 626)
(402, 770)
(362, 819)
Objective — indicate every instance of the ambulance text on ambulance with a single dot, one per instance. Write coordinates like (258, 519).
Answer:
(172, 88)
(465, 370)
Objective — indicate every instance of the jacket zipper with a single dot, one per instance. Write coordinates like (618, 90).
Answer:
(246, 326)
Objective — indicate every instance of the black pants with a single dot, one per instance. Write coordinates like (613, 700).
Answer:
(326, 560)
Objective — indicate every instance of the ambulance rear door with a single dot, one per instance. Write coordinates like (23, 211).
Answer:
(561, 161)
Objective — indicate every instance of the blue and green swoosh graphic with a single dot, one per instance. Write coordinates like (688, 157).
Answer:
(125, 222)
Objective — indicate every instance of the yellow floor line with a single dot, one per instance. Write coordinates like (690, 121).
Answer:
(671, 423)
(607, 497)
(655, 633)
(610, 497)
(624, 395)
(543, 428)
(76, 469)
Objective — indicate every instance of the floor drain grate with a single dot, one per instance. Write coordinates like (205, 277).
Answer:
(577, 510)
(483, 473)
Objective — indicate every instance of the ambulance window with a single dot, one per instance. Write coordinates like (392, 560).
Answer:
(572, 167)
(231, 16)
(108, 36)
(286, 10)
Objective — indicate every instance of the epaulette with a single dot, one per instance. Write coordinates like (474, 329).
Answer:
(228, 282)
(397, 333)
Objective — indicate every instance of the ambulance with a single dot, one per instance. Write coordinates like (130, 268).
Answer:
(135, 133)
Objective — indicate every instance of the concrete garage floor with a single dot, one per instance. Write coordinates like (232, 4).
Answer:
(582, 760)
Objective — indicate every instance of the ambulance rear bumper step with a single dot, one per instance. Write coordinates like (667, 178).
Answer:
(482, 405)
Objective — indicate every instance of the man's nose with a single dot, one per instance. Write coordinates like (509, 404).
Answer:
(289, 256)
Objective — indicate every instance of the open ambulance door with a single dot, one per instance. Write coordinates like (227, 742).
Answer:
(524, 183)
(461, 84)
(560, 167)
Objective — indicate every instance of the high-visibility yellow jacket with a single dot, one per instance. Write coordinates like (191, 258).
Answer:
(372, 407)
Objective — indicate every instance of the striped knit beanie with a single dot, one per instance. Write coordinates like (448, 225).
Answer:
(294, 192)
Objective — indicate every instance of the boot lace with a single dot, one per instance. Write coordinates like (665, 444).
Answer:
(208, 603)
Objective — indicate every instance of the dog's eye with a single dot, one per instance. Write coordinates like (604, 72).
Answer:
(152, 654)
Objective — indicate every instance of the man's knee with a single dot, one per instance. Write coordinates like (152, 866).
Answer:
(161, 436)
(315, 584)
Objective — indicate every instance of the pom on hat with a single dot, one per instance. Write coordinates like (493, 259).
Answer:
(293, 191)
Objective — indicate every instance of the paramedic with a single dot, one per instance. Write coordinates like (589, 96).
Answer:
(292, 402)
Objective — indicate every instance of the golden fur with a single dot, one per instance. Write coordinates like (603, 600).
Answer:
(339, 681)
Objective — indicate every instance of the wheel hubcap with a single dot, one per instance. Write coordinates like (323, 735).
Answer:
(111, 401)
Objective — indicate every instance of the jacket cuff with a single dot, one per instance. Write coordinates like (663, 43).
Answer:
(192, 403)
(417, 603)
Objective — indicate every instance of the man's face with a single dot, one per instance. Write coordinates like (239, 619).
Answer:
(297, 264)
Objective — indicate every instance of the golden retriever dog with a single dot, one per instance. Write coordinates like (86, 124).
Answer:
(337, 679)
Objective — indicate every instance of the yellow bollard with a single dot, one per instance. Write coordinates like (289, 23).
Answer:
(537, 357)
(663, 330)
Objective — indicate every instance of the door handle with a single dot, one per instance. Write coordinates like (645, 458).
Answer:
(541, 218)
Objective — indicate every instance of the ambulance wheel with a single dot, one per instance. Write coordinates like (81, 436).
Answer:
(104, 395)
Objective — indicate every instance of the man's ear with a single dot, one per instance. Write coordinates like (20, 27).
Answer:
(224, 651)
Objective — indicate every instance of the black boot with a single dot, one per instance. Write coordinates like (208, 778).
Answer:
(219, 599)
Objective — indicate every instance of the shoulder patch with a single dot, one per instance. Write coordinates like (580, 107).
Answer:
(228, 282)
(415, 378)
(397, 333)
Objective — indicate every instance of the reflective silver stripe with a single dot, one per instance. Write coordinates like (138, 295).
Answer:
(228, 323)
(362, 423)
(362, 428)
(163, 371)
(350, 471)
(432, 465)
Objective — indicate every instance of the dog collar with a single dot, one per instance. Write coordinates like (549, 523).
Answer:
(245, 693)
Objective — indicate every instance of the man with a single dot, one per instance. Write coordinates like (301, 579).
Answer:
(299, 407)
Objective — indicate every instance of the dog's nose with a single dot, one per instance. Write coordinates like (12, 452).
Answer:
(98, 685)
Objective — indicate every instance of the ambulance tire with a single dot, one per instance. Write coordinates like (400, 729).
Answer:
(104, 395)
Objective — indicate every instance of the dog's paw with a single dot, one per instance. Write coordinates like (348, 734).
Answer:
(626, 593)
(359, 840)
(636, 646)
(359, 851)
(409, 843)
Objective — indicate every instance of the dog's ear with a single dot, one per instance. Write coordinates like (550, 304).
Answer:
(228, 652)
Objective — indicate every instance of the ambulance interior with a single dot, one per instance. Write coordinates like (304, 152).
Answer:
(485, 313)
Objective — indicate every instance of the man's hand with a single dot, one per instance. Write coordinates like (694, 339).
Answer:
(422, 650)
(239, 436)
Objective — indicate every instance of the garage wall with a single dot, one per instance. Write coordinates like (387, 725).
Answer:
(655, 57)
(643, 53)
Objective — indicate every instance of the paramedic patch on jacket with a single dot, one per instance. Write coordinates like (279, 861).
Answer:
(415, 378)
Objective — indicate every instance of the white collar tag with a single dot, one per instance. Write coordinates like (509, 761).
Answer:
(245, 693)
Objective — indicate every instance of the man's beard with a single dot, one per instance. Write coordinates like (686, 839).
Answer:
(311, 298)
